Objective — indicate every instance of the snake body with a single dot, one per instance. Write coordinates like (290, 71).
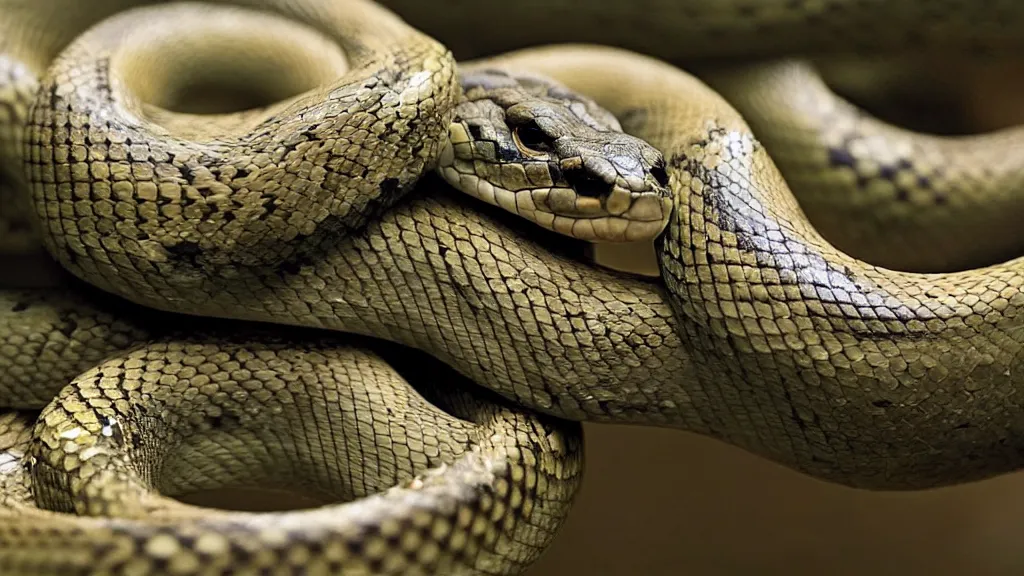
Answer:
(312, 416)
(760, 332)
(885, 195)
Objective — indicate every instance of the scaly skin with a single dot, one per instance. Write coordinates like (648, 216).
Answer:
(478, 488)
(839, 369)
(892, 197)
(851, 372)
(235, 408)
(760, 332)
(445, 480)
(800, 353)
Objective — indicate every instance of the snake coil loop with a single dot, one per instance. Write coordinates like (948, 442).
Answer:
(220, 241)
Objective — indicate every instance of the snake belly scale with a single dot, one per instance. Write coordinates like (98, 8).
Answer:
(759, 332)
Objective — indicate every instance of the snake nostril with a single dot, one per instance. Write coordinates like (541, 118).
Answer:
(660, 176)
(586, 184)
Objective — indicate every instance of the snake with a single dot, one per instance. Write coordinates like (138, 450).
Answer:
(759, 331)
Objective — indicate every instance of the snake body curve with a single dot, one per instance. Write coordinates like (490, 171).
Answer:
(478, 488)
(463, 483)
(763, 334)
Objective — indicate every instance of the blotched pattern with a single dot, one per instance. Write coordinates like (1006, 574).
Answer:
(894, 198)
(761, 334)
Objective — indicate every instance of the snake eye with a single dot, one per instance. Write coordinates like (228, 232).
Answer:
(531, 140)
(660, 176)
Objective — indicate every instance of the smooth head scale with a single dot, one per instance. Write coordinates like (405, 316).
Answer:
(536, 149)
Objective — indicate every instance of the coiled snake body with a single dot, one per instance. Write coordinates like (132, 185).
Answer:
(299, 215)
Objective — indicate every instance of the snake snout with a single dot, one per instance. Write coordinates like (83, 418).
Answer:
(608, 199)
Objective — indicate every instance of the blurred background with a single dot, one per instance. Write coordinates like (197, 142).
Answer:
(661, 502)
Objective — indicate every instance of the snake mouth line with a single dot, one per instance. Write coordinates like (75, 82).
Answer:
(563, 210)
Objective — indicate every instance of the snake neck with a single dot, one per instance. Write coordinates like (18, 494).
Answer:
(850, 359)
(436, 274)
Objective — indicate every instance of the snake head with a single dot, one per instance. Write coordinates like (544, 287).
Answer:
(534, 148)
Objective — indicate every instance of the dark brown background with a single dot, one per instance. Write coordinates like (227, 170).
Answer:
(662, 502)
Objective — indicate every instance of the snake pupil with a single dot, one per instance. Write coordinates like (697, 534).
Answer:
(531, 136)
